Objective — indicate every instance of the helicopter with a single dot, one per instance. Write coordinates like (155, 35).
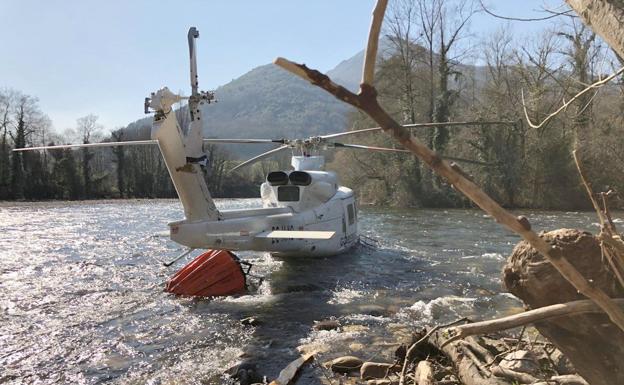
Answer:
(305, 211)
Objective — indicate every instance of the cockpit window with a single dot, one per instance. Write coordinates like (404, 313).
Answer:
(288, 193)
(351, 214)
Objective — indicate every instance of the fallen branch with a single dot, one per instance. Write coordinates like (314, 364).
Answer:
(424, 373)
(525, 318)
(366, 100)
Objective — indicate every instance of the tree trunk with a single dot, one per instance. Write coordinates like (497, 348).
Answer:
(17, 158)
(592, 343)
(605, 18)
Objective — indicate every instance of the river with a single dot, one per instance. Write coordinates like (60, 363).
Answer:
(81, 292)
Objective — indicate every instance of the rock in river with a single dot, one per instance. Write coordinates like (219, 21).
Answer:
(328, 324)
(346, 364)
(373, 370)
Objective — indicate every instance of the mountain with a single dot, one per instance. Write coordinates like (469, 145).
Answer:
(349, 72)
(268, 102)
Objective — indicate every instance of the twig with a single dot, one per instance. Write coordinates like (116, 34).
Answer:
(565, 105)
(554, 14)
(590, 192)
(322, 369)
(496, 357)
(520, 337)
(523, 378)
(607, 213)
(608, 233)
(366, 100)
(525, 318)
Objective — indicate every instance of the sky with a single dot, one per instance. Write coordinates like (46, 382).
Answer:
(104, 57)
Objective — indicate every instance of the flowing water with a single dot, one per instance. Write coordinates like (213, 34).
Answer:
(82, 301)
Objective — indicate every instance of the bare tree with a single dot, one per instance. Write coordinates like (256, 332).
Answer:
(28, 120)
(6, 100)
(88, 129)
(453, 21)
(120, 160)
(581, 54)
(400, 22)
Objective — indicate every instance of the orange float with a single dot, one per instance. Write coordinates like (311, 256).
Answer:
(213, 273)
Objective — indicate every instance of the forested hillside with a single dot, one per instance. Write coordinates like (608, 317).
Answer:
(269, 103)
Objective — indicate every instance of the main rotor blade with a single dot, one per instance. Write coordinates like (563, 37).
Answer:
(418, 125)
(464, 160)
(452, 158)
(244, 141)
(87, 145)
(261, 156)
(362, 147)
(142, 142)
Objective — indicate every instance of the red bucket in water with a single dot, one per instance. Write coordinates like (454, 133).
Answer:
(213, 273)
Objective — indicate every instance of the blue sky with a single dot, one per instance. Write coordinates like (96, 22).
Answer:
(103, 57)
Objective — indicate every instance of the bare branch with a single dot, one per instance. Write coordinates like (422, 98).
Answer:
(553, 14)
(526, 318)
(565, 105)
(368, 73)
(607, 228)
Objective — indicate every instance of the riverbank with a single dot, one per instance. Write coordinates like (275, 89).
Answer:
(373, 205)
(509, 358)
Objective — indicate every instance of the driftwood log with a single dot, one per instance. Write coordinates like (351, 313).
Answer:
(593, 344)
(468, 367)
(424, 373)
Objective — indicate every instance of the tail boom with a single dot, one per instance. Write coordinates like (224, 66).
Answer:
(188, 178)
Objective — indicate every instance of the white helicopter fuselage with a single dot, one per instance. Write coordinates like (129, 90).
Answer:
(263, 229)
(305, 212)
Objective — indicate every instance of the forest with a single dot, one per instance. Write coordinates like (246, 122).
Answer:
(520, 80)
(102, 173)
(433, 69)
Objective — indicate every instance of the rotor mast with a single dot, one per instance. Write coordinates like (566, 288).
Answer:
(194, 136)
(184, 155)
